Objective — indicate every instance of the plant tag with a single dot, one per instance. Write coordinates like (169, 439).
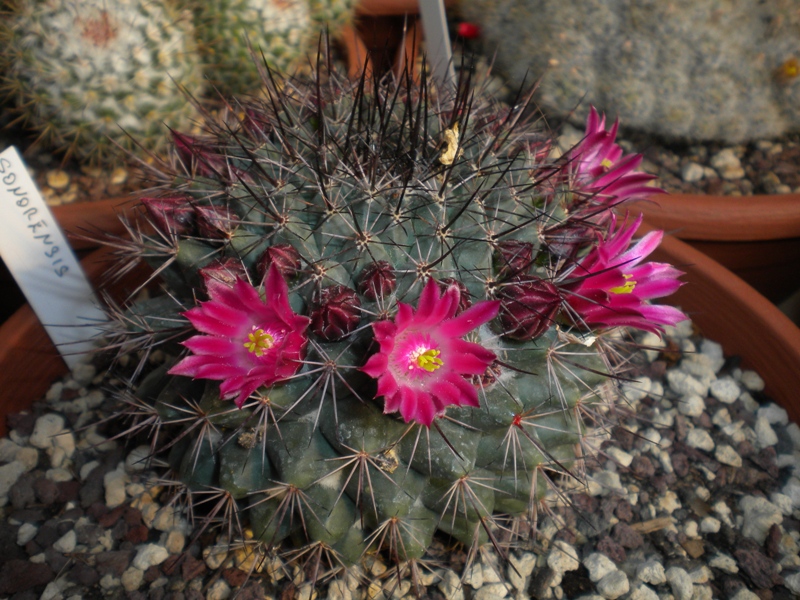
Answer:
(42, 262)
(437, 42)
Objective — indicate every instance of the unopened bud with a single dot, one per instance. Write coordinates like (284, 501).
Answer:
(336, 313)
(513, 258)
(284, 256)
(172, 215)
(528, 307)
(222, 272)
(198, 157)
(565, 241)
(377, 280)
(215, 222)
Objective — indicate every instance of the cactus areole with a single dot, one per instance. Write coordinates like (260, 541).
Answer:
(407, 324)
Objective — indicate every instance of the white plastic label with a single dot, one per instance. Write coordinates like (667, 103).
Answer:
(42, 262)
(437, 41)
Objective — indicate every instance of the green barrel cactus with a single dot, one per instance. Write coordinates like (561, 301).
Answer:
(388, 313)
(91, 76)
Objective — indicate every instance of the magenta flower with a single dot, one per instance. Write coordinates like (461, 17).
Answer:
(610, 287)
(423, 365)
(602, 175)
(247, 342)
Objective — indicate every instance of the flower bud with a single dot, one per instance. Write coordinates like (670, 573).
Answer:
(336, 313)
(172, 215)
(197, 156)
(528, 307)
(256, 125)
(465, 299)
(222, 272)
(377, 280)
(469, 31)
(285, 257)
(215, 222)
(566, 240)
(513, 258)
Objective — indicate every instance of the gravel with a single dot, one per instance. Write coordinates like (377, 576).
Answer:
(695, 495)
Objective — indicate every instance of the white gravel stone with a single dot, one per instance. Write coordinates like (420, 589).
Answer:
(619, 455)
(66, 442)
(792, 489)
(782, 501)
(643, 592)
(338, 590)
(699, 366)
(752, 381)
(714, 352)
(598, 565)
(8, 476)
(692, 172)
(46, 427)
(219, 590)
(725, 389)
(745, 594)
(607, 483)
(728, 456)
(637, 389)
(652, 342)
(680, 583)
(66, 543)
(137, 459)
(26, 532)
(166, 519)
(727, 164)
(54, 589)
(765, 434)
(490, 592)
(794, 433)
(519, 569)
(115, 482)
(701, 575)
(774, 414)
(750, 404)
(175, 542)
(691, 405)
(702, 592)
(723, 562)
(721, 418)
(450, 585)
(793, 583)
(132, 579)
(88, 468)
(613, 585)
(651, 572)
(700, 439)
(58, 475)
(563, 557)
(759, 515)
(149, 555)
(8, 450)
(669, 502)
(684, 384)
(710, 525)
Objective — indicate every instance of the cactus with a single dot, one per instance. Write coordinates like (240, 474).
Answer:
(396, 315)
(90, 75)
(230, 31)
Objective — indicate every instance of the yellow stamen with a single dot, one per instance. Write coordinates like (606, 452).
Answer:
(606, 163)
(624, 289)
(260, 341)
(427, 359)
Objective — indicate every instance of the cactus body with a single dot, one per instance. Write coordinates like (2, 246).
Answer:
(90, 75)
(367, 217)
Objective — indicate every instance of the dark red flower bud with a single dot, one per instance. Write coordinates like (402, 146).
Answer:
(336, 313)
(469, 31)
(513, 258)
(565, 241)
(377, 280)
(465, 300)
(199, 157)
(285, 257)
(215, 222)
(222, 272)
(528, 307)
(172, 215)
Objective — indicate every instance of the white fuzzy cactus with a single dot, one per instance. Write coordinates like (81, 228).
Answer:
(91, 74)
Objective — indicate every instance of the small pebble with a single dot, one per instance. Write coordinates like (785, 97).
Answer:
(680, 583)
(725, 389)
(613, 585)
(728, 456)
(598, 565)
(563, 557)
(700, 439)
(691, 405)
(692, 172)
(651, 572)
(752, 381)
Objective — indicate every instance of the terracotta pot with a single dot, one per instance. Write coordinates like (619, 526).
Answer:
(728, 310)
(29, 361)
(387, 36)
(756, 237)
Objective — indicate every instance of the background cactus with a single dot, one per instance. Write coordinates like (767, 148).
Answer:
(89, 75)
(388, 225)
(231, 31)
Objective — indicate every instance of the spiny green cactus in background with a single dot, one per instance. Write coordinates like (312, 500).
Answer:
(89, 75)
(231, 31)
(399, 315)
(332, 15)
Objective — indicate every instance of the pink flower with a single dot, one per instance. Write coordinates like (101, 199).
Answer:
(602, 175)
(610, 287)
(423, 365)
(248, 342)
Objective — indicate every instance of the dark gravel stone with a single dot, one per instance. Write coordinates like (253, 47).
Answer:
(642, 467)
(566, 535)
(132, 516)
(20, 575)
(152, 573)
(192, 568)
(612, 549)
(92, 489)
(29, 515)
(109, 519)
(767, 460)
(577, 583)
(88, 534)
(169, 566)
(254, 590)
(234, 577)
(47, 534)
(23, 422)
(196, 595)
(119, 530)
(8, 543)
(626, 536)
(681, 427)
(704, 421)
(55, 559)
(624, 438)
(68, 491)
(114, 562)
(772, 543)
(680, 462)
(583, 503)
(541, 582)
(761, 570)
(83, 574)
(137, 534)
(46, 490)
(21, 493)
(97, 510)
